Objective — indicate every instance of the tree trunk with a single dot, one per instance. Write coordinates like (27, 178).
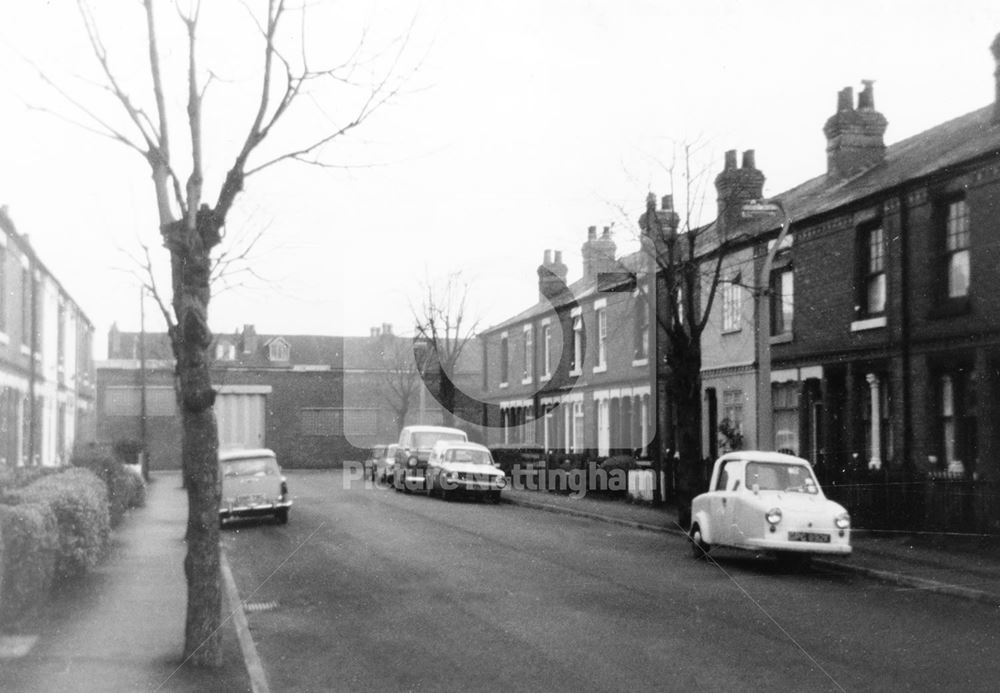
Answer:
(190, 251)
(685, 389)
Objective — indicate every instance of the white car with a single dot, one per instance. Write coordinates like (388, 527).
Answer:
(468, 468)
(768, 501)
(252, 485)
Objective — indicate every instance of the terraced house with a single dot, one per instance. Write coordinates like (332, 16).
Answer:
(46, 363)
(572, 372)
(879, 320)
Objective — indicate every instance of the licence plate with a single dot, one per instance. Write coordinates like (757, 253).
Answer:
(252, 499)
(809, 536)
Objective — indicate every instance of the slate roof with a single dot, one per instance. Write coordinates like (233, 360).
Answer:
(937, 149)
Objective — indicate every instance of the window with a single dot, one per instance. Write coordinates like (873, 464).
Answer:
(577, 427)
(546, 347)
(504, 359)
(321, 421)
(957, 249)
(278, 350)
(786, 417)
(782, 301)
(732, 305)
(602, 339)
(577, 363)
(61, 337)
(957, 421)
(224, 351)
(731, 425)
(641, 335)
(3, 289)
(871, 271)
(529, 348)
(26, 306)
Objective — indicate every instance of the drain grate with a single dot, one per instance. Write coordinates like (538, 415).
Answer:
(254, 607)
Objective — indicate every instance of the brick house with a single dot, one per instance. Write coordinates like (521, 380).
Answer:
(885, 329)
(315, 400)
(572, 371)
(46, 360)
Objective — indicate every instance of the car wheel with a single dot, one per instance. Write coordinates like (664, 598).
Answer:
(699, 548)
(282, 516)
(494, 497)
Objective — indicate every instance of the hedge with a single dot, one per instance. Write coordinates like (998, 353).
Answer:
(126, 489)
(79, 501)
(29, 541)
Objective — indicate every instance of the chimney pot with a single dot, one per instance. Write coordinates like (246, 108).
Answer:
(591, 233)
(547, 258)
(667, 203)
(749, 159)
(607, 232)
(845, 99)
(730, 160)
(866, 99)
(386, 328)
(558, 257)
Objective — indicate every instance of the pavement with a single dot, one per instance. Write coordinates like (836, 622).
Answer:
(121, 626)
(959, 565)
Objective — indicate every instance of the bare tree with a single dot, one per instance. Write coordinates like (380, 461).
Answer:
(399, 380)
(443, 324)
(192, 224)
(687, 264)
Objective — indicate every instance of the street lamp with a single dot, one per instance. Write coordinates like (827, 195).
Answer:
(765, 408)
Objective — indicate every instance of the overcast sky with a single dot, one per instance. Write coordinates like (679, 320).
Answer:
(521, 123)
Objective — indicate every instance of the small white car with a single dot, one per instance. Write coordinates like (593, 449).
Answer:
(467, 468)
(768, 501)
(252, 485)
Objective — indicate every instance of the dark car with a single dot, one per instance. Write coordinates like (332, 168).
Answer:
(526, 457)
(415, 445)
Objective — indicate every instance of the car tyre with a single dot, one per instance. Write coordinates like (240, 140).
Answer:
(699, 547)
(282, 516)
(494, 497)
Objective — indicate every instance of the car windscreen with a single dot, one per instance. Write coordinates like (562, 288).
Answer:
(428, 438)
(778, 476)
(259, 466)
(468, 456)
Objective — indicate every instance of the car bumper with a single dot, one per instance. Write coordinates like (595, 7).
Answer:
(226, 510)
(466, 486)
(836, 547)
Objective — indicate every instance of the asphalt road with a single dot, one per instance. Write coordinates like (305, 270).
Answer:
(368, 589)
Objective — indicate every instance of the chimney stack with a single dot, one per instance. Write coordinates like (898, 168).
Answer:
(598, 253)
(854, 137)
(249, 339)
(735, 187)
(551, 276)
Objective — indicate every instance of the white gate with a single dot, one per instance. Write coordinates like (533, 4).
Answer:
(241, 413)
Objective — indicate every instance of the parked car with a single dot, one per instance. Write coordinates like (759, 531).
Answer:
(252, 485)
(464, 468)
(415, 445)
(379, 464)
(768, 501)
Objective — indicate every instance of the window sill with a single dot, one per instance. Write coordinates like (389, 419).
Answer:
(600, 369)
(526, 381)
(502, 386)
(735, 330)
(637, 363)
(25, 350)
(784, 338)
(576, 371)
(868, 324)
(950, 308)
(4, 339)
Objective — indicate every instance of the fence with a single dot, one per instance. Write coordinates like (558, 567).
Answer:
(937, 502)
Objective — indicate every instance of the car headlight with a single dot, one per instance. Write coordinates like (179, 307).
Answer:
(450, 476)
(842, 521)
(412, 462)
(773, 516)
(501, 481)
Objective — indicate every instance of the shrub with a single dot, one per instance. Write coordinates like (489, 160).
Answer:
(623, 462)
(30, 539)
(19, 477)
(125, 488)
(79, 501)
